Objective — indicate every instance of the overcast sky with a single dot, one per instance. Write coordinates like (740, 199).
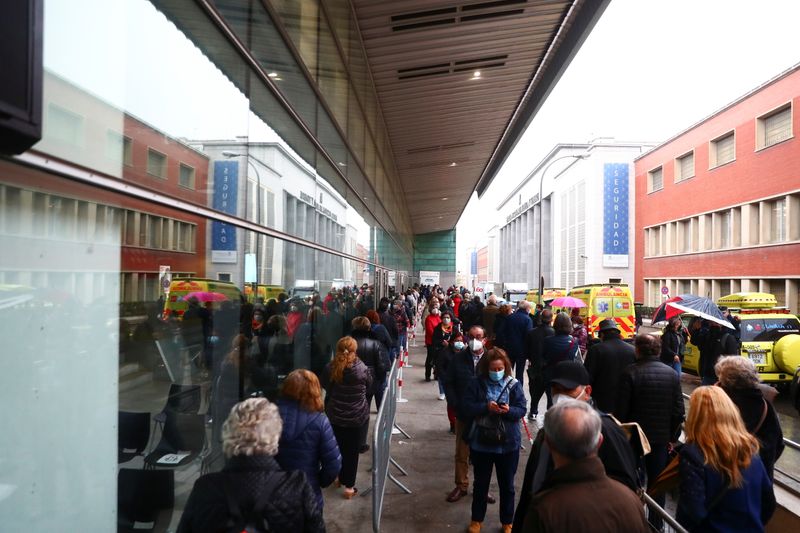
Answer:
(648, 70)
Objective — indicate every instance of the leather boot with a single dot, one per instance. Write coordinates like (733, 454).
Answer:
(507, 528)
(474, 527)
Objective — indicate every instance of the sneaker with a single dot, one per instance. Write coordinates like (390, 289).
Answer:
(441, 396)
(532, 416)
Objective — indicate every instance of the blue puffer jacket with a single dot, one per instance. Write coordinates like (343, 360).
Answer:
(308, 444)
(476, 403)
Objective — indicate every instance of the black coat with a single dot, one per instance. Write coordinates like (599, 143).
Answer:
(712, 343)
(650, 394)
(346, 402)
(534, 345)
(460, 372)
(751, 403)
(672, 344)
(291, 507)
(373, 353)
(605, 362)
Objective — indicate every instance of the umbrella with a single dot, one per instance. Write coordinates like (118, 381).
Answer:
(567, 301)
(664, 313)
(205, 296)
(702, 307)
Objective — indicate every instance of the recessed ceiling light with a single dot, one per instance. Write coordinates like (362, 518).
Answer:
(476, 75)
(453, 164)
(341, 164)
(273, 74)
(440, 218)
(444, 197)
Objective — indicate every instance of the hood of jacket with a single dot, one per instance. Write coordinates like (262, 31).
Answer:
(295, 418)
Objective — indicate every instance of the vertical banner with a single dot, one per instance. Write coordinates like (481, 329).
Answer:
(615, 215)
(223, 236)
(164, 278)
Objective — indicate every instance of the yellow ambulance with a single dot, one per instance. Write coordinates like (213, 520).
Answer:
(606, 301)
(264, 292)
(175, 304)
(770, 336)
(547, 294)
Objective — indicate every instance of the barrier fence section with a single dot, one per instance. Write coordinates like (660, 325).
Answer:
(381, 448)
(652, 509)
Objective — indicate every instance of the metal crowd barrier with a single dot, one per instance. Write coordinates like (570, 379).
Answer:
(381, 449)
(669, 523)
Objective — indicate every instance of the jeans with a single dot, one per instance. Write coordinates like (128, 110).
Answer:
(401, 340)
(676, 366)
(440, 379)
(505, 465)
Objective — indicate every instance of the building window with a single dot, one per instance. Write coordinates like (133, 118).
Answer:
(777, 227)
(64, 126)
(156, 164)
(774, 127)
(655, 180)
(186, 178)
(224, 276)
(684, 167)
(723, 150)
(725, 229)
(686, 235)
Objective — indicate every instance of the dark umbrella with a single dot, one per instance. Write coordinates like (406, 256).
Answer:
(702, 307)
(664, 313)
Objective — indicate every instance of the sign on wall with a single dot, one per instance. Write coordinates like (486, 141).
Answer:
(615, 215)
(223, 236)
(428, 277)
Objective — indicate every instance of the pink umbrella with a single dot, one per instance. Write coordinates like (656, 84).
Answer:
(567, 301)
(206, 296)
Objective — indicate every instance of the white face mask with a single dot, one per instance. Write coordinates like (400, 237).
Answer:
(476, 345)
(557, 398)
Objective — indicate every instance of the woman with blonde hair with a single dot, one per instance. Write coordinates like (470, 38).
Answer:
(347, 380)
(724, 485)
(307, 441)
(252, 483)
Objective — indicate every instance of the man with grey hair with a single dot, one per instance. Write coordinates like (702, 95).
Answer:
(573, 434)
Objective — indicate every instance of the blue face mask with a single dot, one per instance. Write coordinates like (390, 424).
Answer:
(497, 376)
(458, 345)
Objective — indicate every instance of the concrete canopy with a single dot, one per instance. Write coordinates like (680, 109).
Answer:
(458, 82)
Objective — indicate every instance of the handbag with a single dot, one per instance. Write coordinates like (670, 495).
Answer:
(668, 479)
(489, 428)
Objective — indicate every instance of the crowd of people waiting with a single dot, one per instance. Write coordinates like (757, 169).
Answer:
(614, 415)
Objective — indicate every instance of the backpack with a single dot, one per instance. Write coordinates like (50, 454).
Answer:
(253, 521)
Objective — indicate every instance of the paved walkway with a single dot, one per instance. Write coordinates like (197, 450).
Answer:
(428, 459)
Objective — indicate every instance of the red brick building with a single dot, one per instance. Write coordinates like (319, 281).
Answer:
(718, 205)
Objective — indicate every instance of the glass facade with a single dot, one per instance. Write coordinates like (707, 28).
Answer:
(184, 180)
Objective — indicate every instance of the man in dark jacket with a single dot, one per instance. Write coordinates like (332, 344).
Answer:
(571, 381)
(488, 316)
(533, 351)
(577, 495)
(605, 362)
(650, 394)
(712, 341)
(460, 372)
(515, 329)
(388, 321)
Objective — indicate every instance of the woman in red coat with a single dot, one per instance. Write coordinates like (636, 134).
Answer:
(431, 321)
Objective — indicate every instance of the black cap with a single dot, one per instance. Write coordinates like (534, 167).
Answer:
(608, 323)
(570, 374)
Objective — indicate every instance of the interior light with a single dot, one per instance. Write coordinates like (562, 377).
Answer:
(453, 164)
(273, 74)
(341, 164)
(476, 75)
(444, 197)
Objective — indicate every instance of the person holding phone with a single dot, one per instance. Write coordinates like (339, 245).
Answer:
(495, 391)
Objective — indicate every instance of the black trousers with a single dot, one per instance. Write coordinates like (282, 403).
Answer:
(430, 361)
(536, 387)
(348, 440)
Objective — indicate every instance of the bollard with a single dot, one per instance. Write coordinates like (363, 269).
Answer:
(400, 365)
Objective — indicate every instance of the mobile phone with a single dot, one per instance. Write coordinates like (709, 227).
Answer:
(501, 404)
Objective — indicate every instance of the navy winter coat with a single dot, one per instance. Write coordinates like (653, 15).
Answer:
(308, 444)
(515, 328)
(476, 403)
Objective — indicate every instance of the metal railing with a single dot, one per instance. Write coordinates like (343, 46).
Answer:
(669, 523)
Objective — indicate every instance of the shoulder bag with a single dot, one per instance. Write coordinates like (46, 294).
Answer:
(489, 428)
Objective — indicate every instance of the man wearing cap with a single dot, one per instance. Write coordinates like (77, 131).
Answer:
(570, 381)
(605, 362)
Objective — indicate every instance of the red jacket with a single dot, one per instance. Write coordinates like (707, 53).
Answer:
(456, 305)
(430, 324)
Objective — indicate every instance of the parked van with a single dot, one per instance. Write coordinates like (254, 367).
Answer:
(514, 292)
(606, 301)
(175, 304)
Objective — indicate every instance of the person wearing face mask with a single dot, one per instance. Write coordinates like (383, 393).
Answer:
(570, 381)
(442, 335)
(442, 364)
(497, 392)
(432, 321)
(460, 372)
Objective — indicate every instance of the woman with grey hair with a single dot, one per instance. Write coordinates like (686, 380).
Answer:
(739, 379)
(252, 490)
